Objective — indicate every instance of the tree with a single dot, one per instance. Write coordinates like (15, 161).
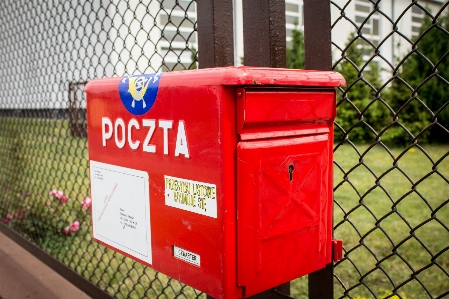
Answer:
(421, 81)
(295, 53)
(360, 114)
(194, 58)
(359, 111)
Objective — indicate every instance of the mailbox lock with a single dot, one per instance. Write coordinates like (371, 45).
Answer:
(290, 171)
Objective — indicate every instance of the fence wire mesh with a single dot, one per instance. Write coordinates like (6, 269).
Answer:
(49, 50)
(391, 163)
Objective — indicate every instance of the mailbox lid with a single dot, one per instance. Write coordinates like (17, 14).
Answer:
(277, 112)
(255, 76)
(284, 223)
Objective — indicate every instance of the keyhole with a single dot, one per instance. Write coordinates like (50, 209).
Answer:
(290, 171)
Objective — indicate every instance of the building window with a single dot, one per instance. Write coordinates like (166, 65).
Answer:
(362, 8)
(183, 5)
(370, 22)
(177, 20)
(417, 10)
(375, 27)
(368, 25)
(417, 17)
(294, 18)
(291, 7)
(360, 20)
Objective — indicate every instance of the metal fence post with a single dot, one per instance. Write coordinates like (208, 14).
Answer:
(318, 56)
(317, 35)
(215, 33)
(264, 33)
(264, 45)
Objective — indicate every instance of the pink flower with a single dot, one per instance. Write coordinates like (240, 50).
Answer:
(59, 194)
(7, 218)
(87, 202)
(20, 213)
(75, 226)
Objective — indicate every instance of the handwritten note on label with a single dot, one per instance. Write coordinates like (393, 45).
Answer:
(121, 209)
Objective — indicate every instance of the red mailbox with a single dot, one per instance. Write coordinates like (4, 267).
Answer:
(220, 178)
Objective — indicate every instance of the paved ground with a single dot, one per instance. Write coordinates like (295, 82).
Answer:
(23, 276)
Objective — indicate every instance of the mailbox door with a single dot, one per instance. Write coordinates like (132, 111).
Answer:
(284, 209)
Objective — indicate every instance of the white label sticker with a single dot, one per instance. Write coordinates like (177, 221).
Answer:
(192, 196)
(121, 209)
(186, 256)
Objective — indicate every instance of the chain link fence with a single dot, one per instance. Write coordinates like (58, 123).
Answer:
(391, 153)
(49, 50)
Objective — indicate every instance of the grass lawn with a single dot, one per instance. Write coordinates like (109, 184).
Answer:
(392, 213)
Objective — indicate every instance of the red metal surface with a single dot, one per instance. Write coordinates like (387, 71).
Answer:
(288, 112)
(285, 187)
(255, 77)
(337, 248)
(204, 101)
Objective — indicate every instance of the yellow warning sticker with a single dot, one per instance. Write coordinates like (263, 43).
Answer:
(192, 196)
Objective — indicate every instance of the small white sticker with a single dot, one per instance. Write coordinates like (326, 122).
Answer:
(192, 196)
(186, 256)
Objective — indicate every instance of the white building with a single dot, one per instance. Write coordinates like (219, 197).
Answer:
(376, 28)
(64, 42)
(164, 47)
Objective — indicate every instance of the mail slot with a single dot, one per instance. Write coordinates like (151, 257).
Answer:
(220, 178)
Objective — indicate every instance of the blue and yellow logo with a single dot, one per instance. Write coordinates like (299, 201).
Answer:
(138, 93)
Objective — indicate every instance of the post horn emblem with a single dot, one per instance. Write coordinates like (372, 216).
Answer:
(137, 88)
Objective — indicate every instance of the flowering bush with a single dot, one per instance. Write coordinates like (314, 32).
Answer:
(7, 219)
(52, 220)
(61, 199)
(20, 214)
